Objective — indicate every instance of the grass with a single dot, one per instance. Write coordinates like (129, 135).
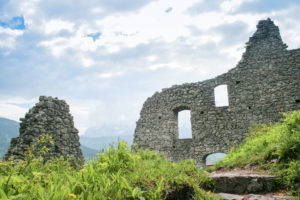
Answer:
(274, 148)
(117, 173)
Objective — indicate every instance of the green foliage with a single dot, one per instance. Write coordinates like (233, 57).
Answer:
(274, 147)
(117, 173)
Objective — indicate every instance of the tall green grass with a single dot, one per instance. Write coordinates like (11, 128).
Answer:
(117, 173)
(274, 148)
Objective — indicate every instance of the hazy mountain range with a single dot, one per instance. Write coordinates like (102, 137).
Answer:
(8, 129)
(90, 144)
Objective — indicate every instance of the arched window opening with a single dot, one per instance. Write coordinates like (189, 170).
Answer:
(221, 96)
(213, 158)
(184, 124)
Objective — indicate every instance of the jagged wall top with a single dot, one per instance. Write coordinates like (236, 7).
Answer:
(265, 83)
(265, 39)
(266, 29)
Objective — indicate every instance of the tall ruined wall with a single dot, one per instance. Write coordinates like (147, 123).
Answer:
(50, 116)
(265, 83)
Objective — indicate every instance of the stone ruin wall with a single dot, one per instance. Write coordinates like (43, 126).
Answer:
(265, 83)
(50, 116)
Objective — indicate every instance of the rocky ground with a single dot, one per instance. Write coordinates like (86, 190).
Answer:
(271, 196)
(241, 184)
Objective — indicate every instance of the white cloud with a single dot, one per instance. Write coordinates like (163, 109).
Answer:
(56, 45)
(8, 37)
(234, 52)
(86, 61)
(289, 35)
(97, 10)
(81, 117)
(108, 75)
(18, 100)
(77, 41)
(15, 108)
(12, 112)
(149, 23)
(90, 113)
(28, 7)
(54, 26)
(151, 58)
(168, 66)
(233, 5)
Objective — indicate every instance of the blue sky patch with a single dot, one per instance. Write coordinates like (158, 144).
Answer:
(3, 4)
(16, 23)
(168, 9)
(95, 36)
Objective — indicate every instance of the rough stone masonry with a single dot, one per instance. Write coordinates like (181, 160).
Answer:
(264, 83)
(50, 116)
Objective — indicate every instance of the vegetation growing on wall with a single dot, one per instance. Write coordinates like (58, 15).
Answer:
(274, 147)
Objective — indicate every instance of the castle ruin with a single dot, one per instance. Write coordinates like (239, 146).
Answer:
(265, 83)
(50, 116)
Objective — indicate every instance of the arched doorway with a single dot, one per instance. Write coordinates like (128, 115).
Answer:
(211, 159)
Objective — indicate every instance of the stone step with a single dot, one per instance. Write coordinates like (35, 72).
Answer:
(253, 197)
(243, 182)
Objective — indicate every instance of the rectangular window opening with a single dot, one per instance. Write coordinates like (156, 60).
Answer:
(221, 96)
(184, 125)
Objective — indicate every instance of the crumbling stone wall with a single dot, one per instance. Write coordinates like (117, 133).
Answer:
(264, 83)
(50, 116)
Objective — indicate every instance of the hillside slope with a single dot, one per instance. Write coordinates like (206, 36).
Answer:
(274, 148)
(88, 153)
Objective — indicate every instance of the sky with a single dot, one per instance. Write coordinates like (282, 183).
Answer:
(105, 58)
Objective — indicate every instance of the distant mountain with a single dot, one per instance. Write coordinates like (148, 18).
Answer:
(100, 143)
(111, 130)
(88, 153)
(96, 137)
(10, 129)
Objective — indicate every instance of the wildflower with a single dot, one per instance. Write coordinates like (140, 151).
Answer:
(72, 195)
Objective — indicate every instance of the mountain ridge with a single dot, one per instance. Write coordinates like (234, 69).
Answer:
(8, 129)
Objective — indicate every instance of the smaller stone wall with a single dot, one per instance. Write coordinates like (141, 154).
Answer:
(50, 116)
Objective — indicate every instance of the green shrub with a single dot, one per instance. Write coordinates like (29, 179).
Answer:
(274, 147)
(117, 173)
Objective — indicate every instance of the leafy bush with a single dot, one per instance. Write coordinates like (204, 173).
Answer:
(274, 147)
(116, 173)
